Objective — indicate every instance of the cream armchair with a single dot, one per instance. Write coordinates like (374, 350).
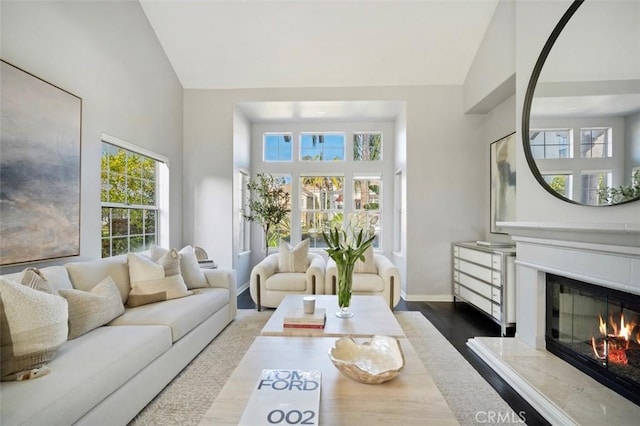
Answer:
(384, 282)
(268, 286)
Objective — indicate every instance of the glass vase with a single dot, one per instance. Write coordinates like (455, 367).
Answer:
(345, 281)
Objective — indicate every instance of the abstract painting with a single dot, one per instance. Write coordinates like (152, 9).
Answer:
(503, 182)
(39, 169)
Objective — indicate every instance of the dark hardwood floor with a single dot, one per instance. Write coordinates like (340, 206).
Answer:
(458, 322)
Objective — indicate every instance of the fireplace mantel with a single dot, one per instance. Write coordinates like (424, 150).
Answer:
(615, 234)
(604, 254)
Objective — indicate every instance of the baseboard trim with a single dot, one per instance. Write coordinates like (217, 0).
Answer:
(427, 297)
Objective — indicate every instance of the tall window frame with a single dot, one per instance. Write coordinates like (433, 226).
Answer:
(347, 167)
(133, 197)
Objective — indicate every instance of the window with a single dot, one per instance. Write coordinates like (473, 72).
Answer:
(366, 202)
(367, 146)
(243, 208)
(129, 199)
(322, 147)
(550, 143)
(595, 143)
(321, 203)
(277, 147)
(592, 183)
(561, 183)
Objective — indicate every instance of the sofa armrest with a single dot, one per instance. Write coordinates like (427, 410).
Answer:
(389, 274)
(315, 272)
(331, 274)
(224, 278)
(259, 274)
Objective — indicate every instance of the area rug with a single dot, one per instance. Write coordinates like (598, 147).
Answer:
(188, 397)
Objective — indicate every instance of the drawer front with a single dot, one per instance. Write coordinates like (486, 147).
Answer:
(495, 312)
(475, 270)
(496, 278)
(496, 295)
(475, 256)
(476, 300)
(496, 262)
(476, 285)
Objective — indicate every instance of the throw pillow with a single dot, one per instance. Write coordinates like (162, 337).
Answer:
(155, 281)
(33, 278)
(33, 325)
(91, 309)
(293, 259)
(190, 268)
(369, 264)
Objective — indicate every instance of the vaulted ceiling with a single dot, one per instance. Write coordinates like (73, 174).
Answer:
(215, 44)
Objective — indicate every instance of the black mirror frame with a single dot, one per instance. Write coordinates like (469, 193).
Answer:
(528, 100)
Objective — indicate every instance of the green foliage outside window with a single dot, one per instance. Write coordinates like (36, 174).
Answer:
(128, 196)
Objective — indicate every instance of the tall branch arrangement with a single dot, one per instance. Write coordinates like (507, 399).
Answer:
(269, 203)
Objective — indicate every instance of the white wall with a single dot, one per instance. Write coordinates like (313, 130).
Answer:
(444, 196)
(107, 54)
(242, 162)
(534, 23)
(491, 77)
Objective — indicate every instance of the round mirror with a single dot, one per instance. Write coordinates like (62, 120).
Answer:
(581, 115)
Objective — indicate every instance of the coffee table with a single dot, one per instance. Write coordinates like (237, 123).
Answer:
(412, 398)
(371, 316)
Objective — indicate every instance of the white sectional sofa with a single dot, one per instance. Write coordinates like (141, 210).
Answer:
(109, 374)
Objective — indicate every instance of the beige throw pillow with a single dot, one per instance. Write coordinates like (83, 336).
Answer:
(369, 264)
(33, 325)
(189, 267)
(91, 309)
(155, 281)
(33, 278)
(293, 259)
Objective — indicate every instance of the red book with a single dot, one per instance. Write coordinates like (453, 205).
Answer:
(303, 325)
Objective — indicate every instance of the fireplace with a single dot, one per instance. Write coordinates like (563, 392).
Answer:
(597, 330)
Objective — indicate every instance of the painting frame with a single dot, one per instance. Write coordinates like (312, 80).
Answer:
(502, 158)
(40, 168)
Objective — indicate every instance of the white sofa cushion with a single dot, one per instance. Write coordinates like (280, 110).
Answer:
(369, 264)
(155, 281)
(91, 309)
(287, 281)
(367, 283)
(85, 275)
(85, 372)
(189, 266)
(33, 325)
(293, 259)
(182, 315)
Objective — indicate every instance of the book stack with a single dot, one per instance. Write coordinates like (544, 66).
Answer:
(298, 319)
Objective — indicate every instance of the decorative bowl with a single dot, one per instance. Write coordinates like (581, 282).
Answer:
(372, 362)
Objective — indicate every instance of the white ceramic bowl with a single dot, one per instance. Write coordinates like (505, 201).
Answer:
(373, 362)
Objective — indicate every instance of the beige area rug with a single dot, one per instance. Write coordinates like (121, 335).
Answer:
(188, 397)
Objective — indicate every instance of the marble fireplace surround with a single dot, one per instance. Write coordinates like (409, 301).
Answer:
(607, 255)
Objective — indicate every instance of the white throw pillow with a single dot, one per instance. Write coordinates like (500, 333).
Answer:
(293, 259)
(155, 281)
(91, 309)
(189, 266)
(369, 264)
(33, 326)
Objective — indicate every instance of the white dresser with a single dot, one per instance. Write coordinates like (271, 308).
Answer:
(484, 276)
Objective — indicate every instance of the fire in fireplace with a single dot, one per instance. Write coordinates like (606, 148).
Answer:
(596, 329)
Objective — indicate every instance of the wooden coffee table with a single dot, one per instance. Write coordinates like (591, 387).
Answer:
(371, 316)
(412, 398)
